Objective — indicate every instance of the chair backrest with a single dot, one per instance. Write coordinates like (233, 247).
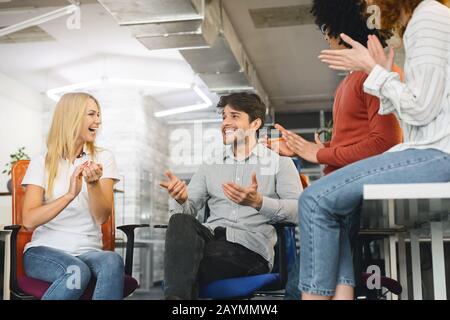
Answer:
(18, 192)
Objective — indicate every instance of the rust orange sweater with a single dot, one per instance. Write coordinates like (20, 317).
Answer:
(359, 131)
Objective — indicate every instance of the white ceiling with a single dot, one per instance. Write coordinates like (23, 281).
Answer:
(99, 49)
(285, 57)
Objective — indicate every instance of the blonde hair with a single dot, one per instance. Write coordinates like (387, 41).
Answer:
(64, 131)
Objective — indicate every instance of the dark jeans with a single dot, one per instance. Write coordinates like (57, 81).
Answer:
(194, 256)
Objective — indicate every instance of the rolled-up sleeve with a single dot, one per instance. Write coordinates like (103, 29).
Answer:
(197, 196)
(419, 100)
(288, 188)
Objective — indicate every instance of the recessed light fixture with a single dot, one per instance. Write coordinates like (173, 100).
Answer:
(56, 93)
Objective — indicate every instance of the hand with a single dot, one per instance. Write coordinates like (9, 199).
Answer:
(92, 172)
(279, 146)
(304, 149)
(75, 182)
(356, 59)
(245, 196)
(177, 189)
(377, 52)
(318, 141)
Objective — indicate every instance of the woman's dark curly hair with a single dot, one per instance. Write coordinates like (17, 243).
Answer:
(346, 16)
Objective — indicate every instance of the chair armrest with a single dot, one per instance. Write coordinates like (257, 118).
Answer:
(284, 224)
(129, 232)
(13, 285)
(160, 226)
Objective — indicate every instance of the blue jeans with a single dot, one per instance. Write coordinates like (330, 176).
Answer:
(325, 262)
(350, 230)
(70, 275)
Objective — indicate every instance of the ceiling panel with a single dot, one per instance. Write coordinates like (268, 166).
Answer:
(150, 11)
(283, 44)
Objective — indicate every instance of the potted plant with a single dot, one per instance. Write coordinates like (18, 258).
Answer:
(327, 131)
(19, 155)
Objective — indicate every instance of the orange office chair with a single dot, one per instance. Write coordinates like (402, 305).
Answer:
(26, 288)
(305, 180)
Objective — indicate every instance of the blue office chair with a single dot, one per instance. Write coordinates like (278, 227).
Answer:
(263, 284)
(267, 284)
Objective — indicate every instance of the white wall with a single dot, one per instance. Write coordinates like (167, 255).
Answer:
(20, 125)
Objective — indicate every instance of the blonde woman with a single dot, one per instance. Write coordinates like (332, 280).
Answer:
(69, 195)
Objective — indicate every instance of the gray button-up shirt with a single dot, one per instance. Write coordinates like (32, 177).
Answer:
(278, 183)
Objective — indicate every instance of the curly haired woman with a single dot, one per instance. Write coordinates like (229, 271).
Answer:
(421, 103)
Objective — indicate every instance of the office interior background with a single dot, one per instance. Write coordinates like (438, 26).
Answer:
(158, 68)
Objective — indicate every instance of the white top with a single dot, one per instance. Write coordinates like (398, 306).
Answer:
(73, 230)
(422, 102)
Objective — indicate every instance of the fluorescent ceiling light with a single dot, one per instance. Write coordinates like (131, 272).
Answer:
(232, 89)
(195, 121)
(170, 112)
(181, 48)
(56, 93)
(148, 83)
(38, 20)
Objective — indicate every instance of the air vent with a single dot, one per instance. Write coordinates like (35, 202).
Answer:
(281, 16)
(132, 12)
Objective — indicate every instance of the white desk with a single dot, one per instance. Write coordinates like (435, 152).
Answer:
(4, 237)
(416, 220)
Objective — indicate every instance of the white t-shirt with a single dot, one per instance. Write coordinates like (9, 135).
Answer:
(73, 230)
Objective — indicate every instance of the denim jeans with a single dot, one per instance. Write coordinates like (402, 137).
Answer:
(70, 275)
(323, 206)
(194, 256)
(351, 228)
